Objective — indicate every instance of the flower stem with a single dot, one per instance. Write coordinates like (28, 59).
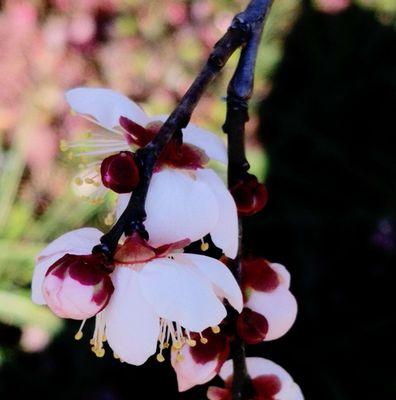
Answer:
(239, 92)
(243, 26)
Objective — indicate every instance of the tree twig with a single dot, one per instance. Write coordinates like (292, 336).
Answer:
(238, 94)
(243, 26)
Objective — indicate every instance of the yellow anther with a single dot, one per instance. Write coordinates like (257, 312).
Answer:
(116, 356)
(97, 184)
(177, 345)
(63, 145)
(104, 338)
(204, 246)
(89, 181)
(160, 358)
(88, 135)
(203, 340)
(215, 329)
(100, 353)
(70, 155)
(78, 335)
(179, 357)
(78, 181)
(92, 342)
(191, 342)
(165, 345)
(94, 349)
(109, 220)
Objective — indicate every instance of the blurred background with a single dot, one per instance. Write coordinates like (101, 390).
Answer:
(322, 119)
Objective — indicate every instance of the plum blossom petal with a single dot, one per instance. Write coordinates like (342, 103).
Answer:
(132, 327)
(217, 393)
(283, 274)
(178, 207)
(190, 373)
(105, 106)
(278, 307)
(257, 367)
(221, 277)
(210, 143)
(79, 241)
(177, 292)
(225, 233)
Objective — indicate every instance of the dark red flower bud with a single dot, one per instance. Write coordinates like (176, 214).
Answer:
(257, 274)
(252, 327)
(250, 196)
(120, 172)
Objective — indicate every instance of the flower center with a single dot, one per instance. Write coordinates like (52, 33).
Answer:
(173, 334)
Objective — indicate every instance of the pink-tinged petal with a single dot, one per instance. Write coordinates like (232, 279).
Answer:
(261, 367)
(179, 207)
(283, 274)
(132, 327)
(190, 373)
(225, 232)
(295, 393)
(278, 307)
(210, 143)
(77, 287)
(79, 241)
(216, 393)
(40, 270)
(105, 106)
(177, 292)
(221, 277)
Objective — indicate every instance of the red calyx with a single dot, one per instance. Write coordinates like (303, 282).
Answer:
(257, 274)
(252, 327)
(119, 172)
(185, 156)
(217, 347)
(250, 196)
(174, 155)
(137, 134)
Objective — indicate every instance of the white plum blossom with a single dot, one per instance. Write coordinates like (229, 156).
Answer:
(161, 295)
(185, 199)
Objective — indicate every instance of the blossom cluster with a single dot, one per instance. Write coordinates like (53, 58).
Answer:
(153, 295)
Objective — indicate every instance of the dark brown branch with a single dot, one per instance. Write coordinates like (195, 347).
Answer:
(241, 29)
(238, 94)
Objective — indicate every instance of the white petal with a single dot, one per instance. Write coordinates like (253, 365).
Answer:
(209, 142)
(179, 207)
(260, 366)
(283, 273)
(278, 307)
(179, 293)
(225, 233)
(79, 241)
(221, 277)
(105, 106)
(190, 373)
(295, 393)
(132, 327)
